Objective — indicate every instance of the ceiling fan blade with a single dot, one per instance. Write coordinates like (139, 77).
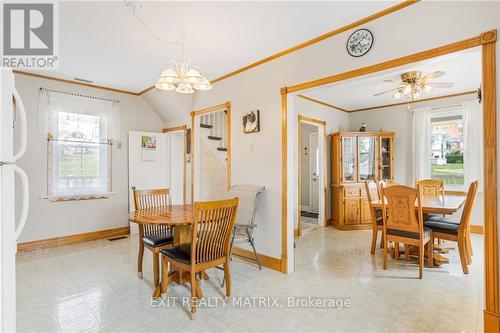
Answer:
(387, 91)
(394, 81)
(439, 84)
(433, 75)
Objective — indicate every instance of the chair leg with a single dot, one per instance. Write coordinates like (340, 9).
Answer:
(139, 259)
(255, 252)
(421, 261)
(463, 259)
(193, 292)
(227, 277)
(164, 274)
(374, 240)
(469, 248)
(407, 252)
(385, 252)
(430, 253)
(156, 268)
(396, 250)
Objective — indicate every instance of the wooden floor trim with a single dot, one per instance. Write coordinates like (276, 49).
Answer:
(266, 261)
(72, 239)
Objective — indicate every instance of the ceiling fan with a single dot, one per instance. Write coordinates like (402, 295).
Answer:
(413, 83)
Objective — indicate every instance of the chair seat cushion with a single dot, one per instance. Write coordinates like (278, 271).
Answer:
(443, 227)
(156, 240)
(439, 218)
(409, 234)
(180, 253)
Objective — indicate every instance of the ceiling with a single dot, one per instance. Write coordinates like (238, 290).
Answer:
(463, 69)
(103, 42)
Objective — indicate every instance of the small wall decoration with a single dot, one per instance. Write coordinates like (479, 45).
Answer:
(251, 122)
(148, 144)
(360, 42)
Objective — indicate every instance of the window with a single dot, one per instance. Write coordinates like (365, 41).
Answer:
(447, 147)
(80, 132)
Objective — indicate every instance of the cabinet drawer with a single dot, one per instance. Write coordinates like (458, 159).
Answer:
(351, 192)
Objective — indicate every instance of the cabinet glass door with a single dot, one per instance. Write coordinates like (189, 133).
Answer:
(349, 159)
(386, 158)
(367, 158)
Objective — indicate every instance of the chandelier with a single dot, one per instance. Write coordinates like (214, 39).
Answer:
(182, 78)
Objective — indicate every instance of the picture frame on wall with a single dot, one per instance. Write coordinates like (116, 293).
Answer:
(251, 122)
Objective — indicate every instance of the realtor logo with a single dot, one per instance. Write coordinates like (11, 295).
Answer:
(29, 35)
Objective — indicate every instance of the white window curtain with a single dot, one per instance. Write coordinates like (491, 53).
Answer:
(421, 143)
(79, 130)
(473, 142)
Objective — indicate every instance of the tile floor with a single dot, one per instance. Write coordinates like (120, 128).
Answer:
(92, 287)
(309, 223)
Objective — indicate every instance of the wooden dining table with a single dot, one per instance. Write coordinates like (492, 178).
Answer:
(444, 204)
(180, 217)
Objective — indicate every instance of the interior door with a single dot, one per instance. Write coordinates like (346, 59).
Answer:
(148, 164)
(315, 172)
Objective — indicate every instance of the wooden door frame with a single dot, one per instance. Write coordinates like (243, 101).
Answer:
(182, 128)
(227, 106)
(318, 122)
(487, 42)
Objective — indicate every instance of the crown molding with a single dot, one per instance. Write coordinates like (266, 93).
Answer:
(89, 85)
(323, 103)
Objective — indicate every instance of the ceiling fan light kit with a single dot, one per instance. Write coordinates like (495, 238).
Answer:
(412, 84)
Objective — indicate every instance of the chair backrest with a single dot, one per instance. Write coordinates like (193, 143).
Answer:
(469, 202)
(431, 187)
(399, 205)
(372, 193)
(212, 228)
(381, 184)
(152, 198)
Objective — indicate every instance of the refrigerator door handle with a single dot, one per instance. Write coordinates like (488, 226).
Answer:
(23, 125)
(24, 210)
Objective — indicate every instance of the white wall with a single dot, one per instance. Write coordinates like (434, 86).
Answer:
(259, 88)
(51, 219)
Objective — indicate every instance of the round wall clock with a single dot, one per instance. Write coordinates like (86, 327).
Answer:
(360, 42)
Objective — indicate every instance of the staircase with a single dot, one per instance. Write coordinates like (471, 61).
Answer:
(213, 134)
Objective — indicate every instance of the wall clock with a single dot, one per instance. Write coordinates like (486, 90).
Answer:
(360, 42)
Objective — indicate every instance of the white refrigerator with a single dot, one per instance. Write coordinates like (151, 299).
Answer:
(12, 146)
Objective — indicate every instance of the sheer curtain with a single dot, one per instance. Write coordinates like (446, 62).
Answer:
(79, 130)
(473, 142)
(421, 143)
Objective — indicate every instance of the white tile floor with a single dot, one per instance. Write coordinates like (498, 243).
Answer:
(93, 287)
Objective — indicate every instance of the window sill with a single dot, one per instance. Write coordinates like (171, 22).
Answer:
(78, 197)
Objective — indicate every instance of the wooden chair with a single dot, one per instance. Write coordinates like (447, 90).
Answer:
(153, 237)
(372, 192)
(402, 225)
(431, 187)
(457, 231)
(209, 248)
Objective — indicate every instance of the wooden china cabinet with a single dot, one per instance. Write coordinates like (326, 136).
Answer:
(356, 157)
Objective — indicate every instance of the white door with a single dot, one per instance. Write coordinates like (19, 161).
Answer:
(148, 165)
(315, 172)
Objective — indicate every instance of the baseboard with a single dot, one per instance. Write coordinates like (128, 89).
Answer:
(477, 229)
(296, 232)
(491, 322)
(328, 222)
(71, 239)
(266, 261)
(305, 208)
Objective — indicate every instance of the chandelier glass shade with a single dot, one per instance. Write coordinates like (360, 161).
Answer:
(183, 79)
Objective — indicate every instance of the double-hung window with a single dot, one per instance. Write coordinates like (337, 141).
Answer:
(79, 145)
(447, 146)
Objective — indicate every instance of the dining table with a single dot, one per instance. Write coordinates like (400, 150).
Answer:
(445, 204)
(181, 218)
